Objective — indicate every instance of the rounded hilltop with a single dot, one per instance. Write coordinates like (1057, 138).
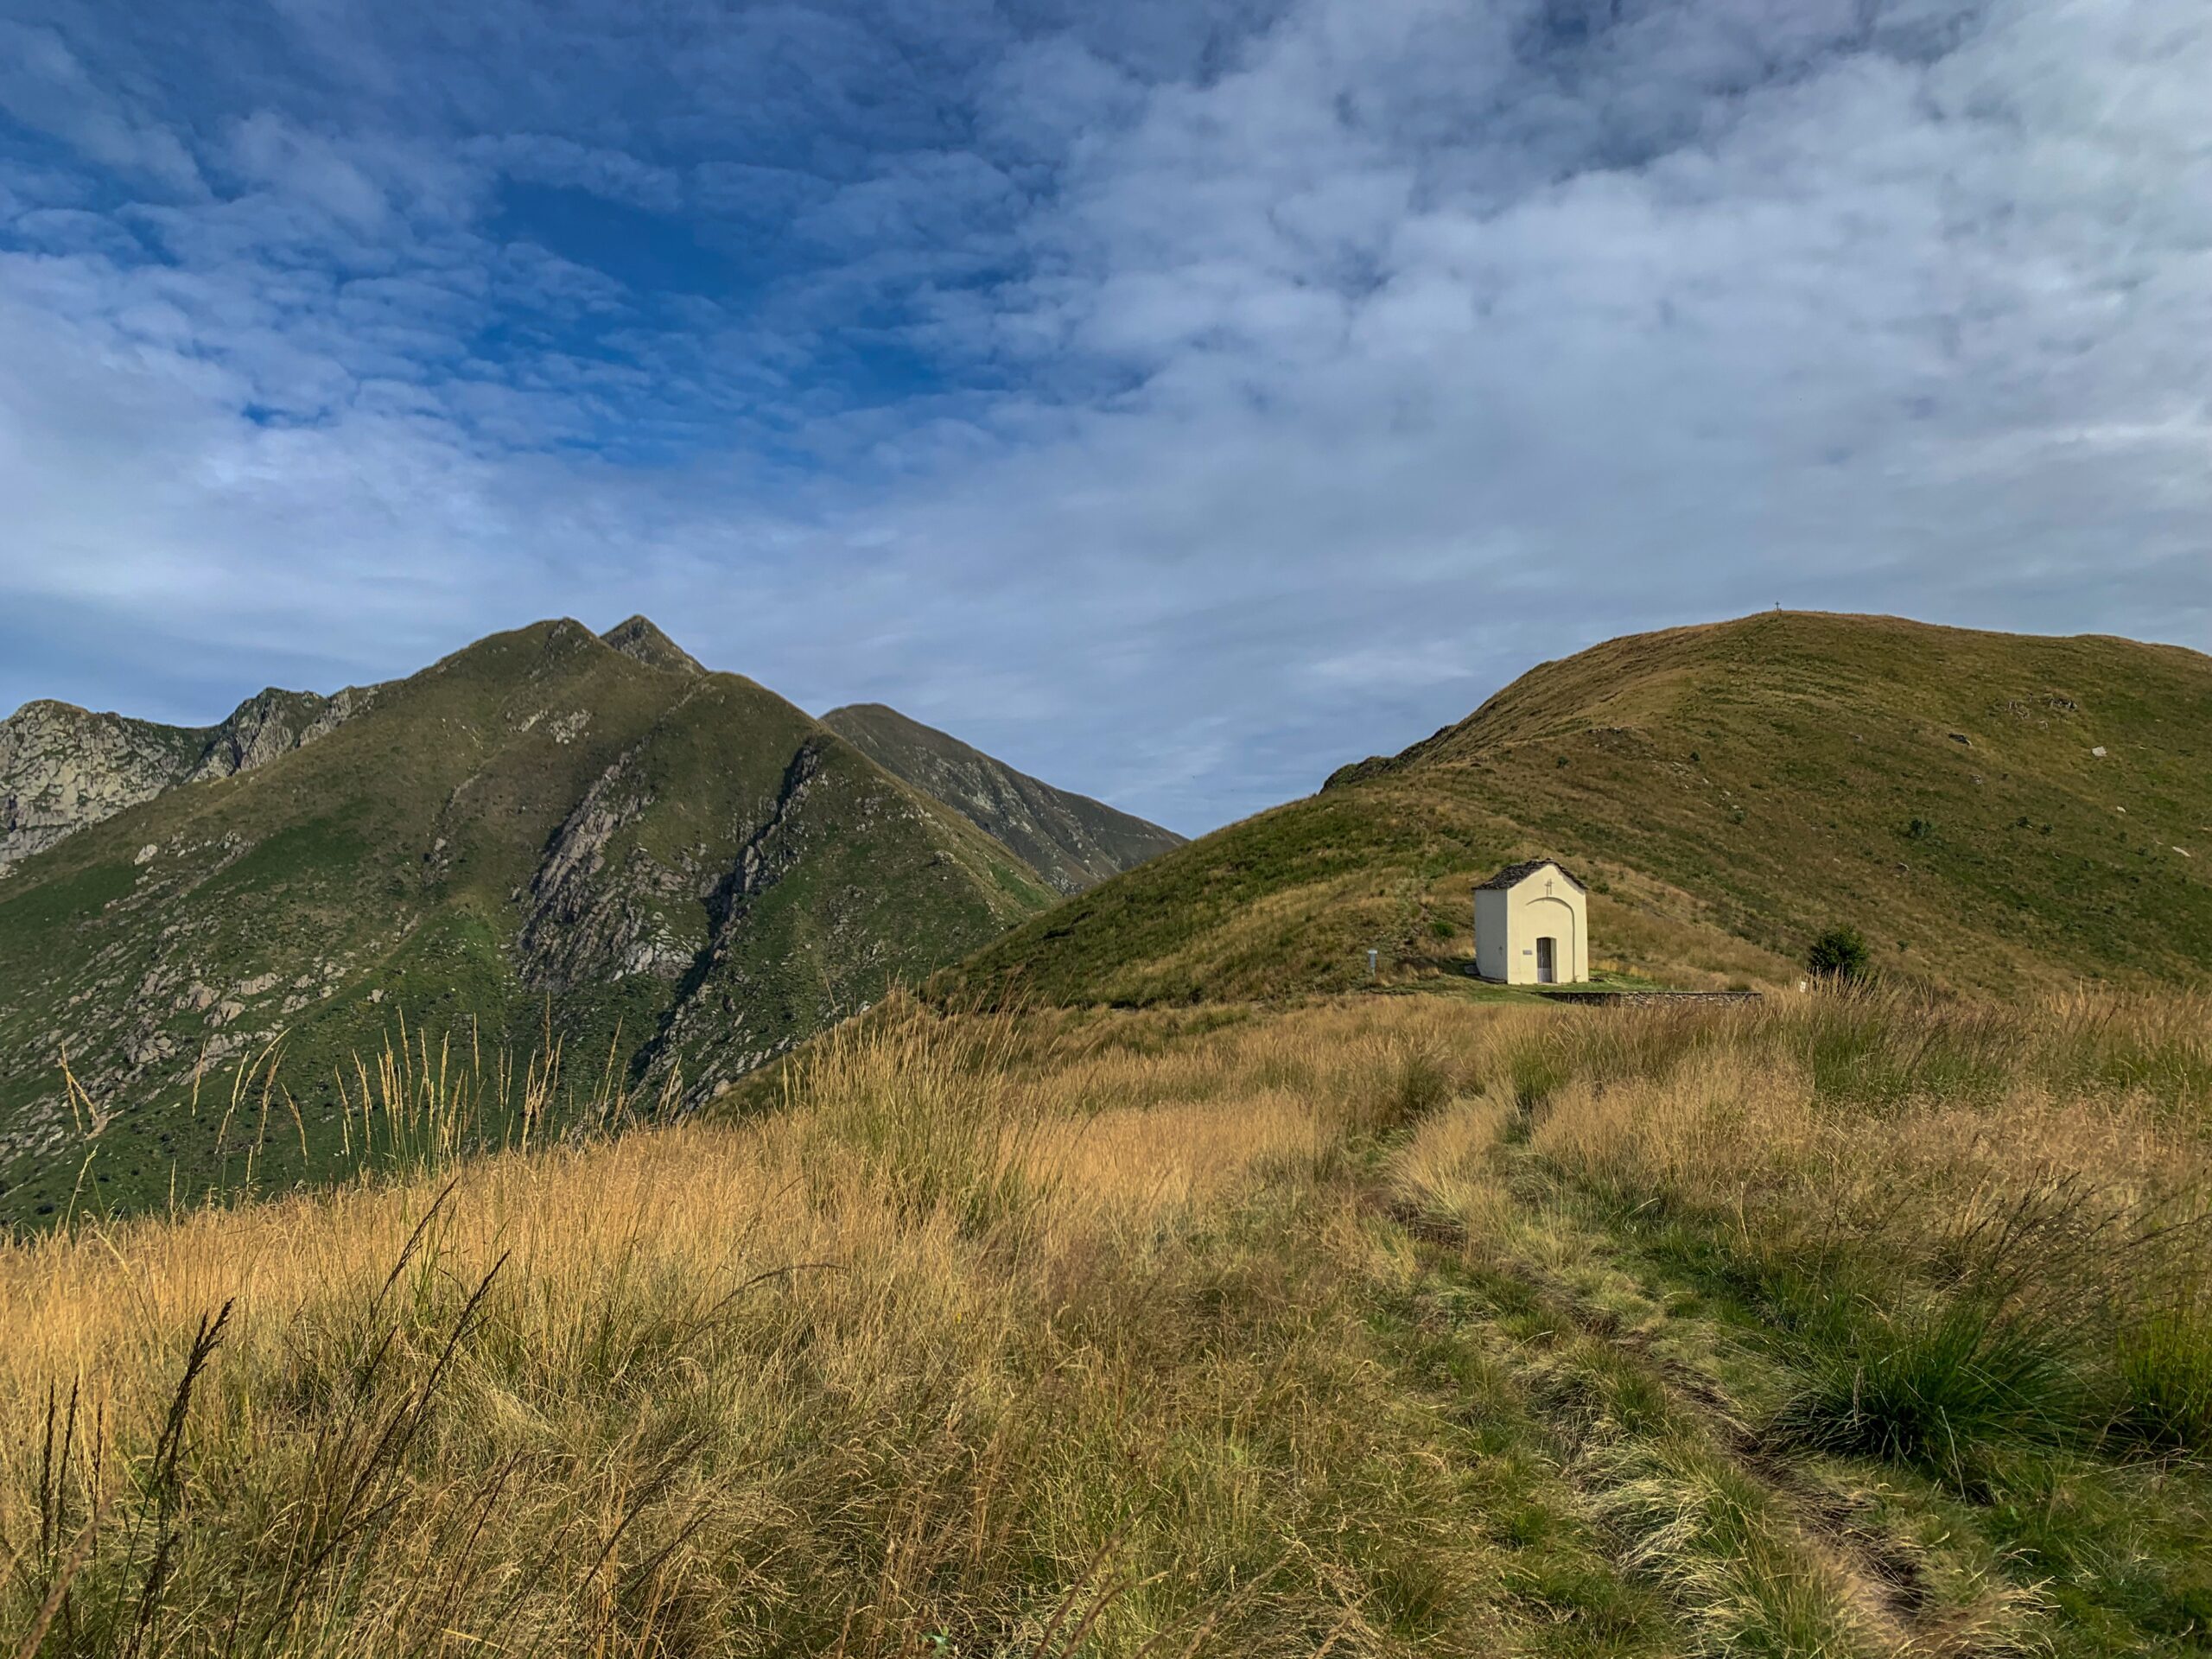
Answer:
(1993, 810)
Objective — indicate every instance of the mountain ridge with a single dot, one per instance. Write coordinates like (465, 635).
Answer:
(63, 767)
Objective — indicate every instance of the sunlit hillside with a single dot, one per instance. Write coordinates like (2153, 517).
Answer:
(1994, 811)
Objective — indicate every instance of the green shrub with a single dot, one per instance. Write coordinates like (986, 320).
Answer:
(1840, 953)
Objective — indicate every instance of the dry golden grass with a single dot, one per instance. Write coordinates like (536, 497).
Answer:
(931, 1352)
(107, 1308)
(1084, 1332)
(1446, 1173)
(1822, 1108)
(1122, 1118)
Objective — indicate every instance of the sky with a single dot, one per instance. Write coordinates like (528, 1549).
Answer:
(1177, 397)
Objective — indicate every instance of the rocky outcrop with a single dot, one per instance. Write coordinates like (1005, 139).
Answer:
(63, 767)
(772, 848)
(272, 724)
(589, 918)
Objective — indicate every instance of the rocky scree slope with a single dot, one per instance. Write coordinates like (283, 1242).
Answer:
(676, 873)
(1995, 811)
(1071, 840)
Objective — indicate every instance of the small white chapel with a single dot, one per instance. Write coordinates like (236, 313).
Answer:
(1532, 926)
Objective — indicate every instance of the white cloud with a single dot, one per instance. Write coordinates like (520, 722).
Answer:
(44, 86)
(308, 168)
(1280, 391)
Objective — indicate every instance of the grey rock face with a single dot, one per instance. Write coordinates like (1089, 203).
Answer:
(584, 921)
(63, 767)
(276, 722)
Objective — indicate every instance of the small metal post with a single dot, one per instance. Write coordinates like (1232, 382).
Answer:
(1371, 957)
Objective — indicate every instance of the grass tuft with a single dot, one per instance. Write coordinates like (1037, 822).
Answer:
(1927, 1386)
(2165, 1366)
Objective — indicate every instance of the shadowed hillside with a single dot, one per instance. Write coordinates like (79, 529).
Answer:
(1069, 839)
(1993, 809)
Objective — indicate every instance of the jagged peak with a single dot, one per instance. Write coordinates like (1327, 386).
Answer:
(639, 638)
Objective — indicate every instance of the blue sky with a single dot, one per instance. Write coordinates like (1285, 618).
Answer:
(1178, 399)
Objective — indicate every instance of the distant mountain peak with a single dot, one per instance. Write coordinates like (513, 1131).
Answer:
(639, 638)
(1072, 840)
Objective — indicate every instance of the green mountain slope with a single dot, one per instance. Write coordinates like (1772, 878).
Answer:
(1072, 840)
(541, 832)
(1993, 810)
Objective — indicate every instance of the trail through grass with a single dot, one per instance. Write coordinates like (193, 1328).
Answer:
(1382, 1325)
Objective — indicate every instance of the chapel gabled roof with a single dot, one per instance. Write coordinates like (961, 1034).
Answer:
(1514, 874)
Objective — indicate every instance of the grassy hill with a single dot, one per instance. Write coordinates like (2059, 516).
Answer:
(1994, 811)
(1071, 840)
(546, 838)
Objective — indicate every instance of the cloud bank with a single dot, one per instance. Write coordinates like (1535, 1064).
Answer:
(1177, 405)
